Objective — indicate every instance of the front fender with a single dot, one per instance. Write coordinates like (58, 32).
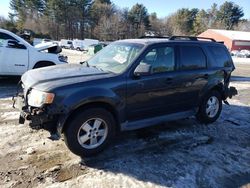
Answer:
(88, 96)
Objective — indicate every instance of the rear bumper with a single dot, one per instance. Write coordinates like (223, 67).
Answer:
(230, 92)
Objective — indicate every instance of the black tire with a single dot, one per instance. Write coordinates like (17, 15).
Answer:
(43, 64)
(202, 116)
(73, 129)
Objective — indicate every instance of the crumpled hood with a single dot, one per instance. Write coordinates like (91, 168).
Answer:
(47, 78)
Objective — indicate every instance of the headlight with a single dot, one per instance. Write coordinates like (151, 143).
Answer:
(38, 98)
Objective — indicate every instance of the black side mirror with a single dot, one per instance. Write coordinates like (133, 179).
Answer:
(15, 44)
(12, 44)
(142, 69)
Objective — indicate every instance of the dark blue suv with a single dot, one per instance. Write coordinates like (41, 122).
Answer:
(128, 85)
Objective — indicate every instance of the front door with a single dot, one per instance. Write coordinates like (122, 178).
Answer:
(155, 94)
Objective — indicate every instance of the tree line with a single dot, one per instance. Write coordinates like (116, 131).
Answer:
(103, 20)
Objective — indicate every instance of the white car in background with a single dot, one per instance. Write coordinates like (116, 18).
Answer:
(67, 44)
(17, 56)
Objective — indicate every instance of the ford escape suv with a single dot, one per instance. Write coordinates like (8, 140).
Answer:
(128, 85)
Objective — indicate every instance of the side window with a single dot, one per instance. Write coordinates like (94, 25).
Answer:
(4, 37)
(221, 57)
(161, 59)
(192, 57)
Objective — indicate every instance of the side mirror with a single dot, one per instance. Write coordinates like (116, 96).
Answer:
(142, 69)
(12, 44)
(15, 44)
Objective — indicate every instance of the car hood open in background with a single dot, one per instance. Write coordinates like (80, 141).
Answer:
(51, 77)
(52, 47)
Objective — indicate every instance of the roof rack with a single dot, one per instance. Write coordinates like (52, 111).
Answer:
(190, 38)
(153, 37)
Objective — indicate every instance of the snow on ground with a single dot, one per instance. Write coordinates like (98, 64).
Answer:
(241, 60)
(176, 154)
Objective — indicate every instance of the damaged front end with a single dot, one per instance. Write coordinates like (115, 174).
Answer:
(36, 117)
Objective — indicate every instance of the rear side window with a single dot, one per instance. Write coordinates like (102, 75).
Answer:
(192, 57)
(220, 57)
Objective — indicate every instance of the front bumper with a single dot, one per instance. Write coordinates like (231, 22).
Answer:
(36, 118)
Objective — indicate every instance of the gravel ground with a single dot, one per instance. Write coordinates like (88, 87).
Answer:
(176, 154)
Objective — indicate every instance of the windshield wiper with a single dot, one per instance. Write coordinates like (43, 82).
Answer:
(85, 62)
(98, 68)
(101, 69)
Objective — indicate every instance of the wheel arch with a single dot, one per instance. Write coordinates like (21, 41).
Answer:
(64, 120)
(218, 87)
(43, 63)
(213, 87)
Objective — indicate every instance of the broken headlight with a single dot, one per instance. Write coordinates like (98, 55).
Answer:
(37, 98)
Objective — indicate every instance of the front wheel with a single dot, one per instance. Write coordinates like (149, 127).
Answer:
(89, 132)
(210, 108)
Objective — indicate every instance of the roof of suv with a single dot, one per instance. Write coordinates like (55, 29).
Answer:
(145, 41)
(176, 39)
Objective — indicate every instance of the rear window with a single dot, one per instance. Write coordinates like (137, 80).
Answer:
(192, 57)
(220, 57)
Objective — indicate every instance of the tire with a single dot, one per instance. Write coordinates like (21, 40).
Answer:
(43, 64)
(80, 132)
(210, 108)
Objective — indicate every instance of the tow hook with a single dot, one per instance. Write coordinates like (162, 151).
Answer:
(227, 103)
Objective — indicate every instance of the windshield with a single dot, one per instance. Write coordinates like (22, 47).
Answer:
(116, 57)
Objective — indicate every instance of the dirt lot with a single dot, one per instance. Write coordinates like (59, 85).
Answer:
(177, 154)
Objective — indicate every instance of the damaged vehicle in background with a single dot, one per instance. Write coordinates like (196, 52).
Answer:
(17, 56)
(129, 84)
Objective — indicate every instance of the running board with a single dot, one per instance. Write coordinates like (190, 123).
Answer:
(126, 126)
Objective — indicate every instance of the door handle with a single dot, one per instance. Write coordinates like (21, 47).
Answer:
(168, 79)
(205, 76)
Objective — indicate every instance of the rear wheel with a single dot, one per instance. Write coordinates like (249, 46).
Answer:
(89, 132)
(210, 108)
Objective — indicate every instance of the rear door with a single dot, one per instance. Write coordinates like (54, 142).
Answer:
(193, 73)
(13, 60)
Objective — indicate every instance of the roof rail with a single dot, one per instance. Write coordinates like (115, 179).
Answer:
(190, 38)
(153, 37)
